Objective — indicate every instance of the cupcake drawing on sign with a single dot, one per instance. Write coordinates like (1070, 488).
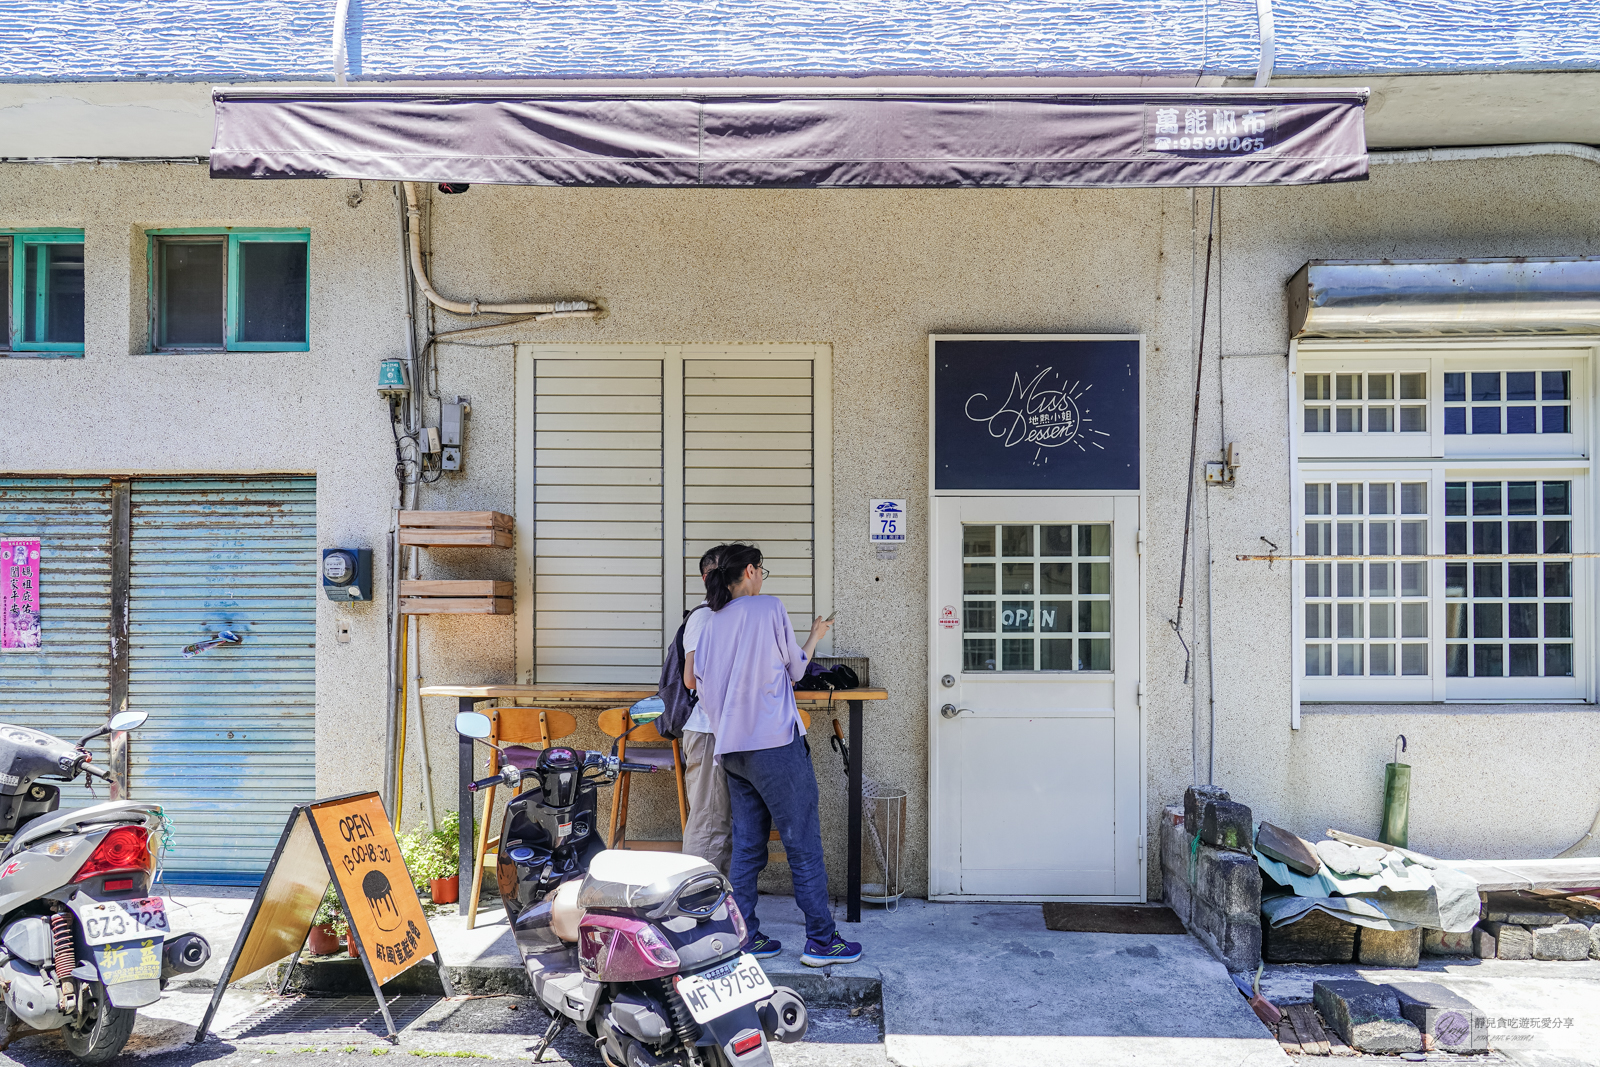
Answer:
(380, 898)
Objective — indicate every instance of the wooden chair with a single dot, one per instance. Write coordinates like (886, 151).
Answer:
(780, 856)
(511, 726)
(638, 743)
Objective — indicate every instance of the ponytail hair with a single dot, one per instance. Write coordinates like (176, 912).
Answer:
(735, 558)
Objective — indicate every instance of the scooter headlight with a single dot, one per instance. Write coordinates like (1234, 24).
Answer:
(734, 914)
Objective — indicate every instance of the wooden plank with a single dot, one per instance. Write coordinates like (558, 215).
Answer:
(564, 565)
(621, 694)
(739, 495)
(587, 476)
(455, 589)
(1288, 1038)
(741, 387)
(607, 403)
(438, 605)
(648, 458)
(740, 405)
(650, 512)
(468, 519)
(742, 422)
(636, 638)
(456, 538)
(745, 368)
(590, 584)
(746, 459)
(547, 493)
(753, 531)
(1312, 1038)
(697, 440)
(752, 511)
(732, 478)
(627, 440)
(612, 547)
(551, 620)
(555, 369)
(648, 603)
(648, 422)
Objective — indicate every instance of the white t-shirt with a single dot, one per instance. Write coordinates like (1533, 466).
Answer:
(698, 720)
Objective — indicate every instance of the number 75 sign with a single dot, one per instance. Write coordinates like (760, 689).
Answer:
(886, 522)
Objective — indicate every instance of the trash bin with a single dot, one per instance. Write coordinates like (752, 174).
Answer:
(883, 809)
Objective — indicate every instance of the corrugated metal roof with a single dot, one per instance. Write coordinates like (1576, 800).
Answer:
(230, 745)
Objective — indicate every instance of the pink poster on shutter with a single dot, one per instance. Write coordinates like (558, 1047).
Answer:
(19, 594)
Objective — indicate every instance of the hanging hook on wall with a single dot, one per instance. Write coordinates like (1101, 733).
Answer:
(1399, 746)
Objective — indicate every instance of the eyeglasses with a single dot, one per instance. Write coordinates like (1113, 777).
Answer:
(765, 574)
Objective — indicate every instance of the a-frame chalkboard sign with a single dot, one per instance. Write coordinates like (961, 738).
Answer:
(346, 840)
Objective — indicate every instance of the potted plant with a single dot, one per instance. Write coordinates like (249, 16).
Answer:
(434, 859)
(324, 937)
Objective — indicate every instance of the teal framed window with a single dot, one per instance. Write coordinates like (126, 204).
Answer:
(230, 290)
(42, 313)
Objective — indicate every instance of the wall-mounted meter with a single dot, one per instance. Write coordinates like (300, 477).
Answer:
(347, 573)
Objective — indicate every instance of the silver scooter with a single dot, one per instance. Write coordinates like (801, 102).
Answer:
(84, 943)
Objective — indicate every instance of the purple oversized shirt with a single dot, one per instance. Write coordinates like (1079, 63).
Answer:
(746, 665)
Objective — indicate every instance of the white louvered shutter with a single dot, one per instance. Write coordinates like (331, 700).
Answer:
(597, 520)
(748, 471)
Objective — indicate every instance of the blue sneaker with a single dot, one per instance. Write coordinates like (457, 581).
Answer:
(763, 947)
(827, 953)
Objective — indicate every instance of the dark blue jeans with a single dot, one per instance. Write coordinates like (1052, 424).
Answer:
(776, 787)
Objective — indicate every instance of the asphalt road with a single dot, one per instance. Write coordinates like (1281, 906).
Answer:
(500, 1028)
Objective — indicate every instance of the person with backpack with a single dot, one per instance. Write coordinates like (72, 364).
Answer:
(746, 664)
(708, 833)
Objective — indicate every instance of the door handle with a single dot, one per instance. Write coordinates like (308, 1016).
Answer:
(950, 711)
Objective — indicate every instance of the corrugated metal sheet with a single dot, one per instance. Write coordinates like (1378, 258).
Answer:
(230, 745)
(64, 687)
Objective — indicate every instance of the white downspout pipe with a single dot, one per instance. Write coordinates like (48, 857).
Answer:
(1496, 151)
(1268, 43)
(341, 21)
(560, 309)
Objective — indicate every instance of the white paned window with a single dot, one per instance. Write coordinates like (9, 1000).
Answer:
(1448, 490)
(638, 458)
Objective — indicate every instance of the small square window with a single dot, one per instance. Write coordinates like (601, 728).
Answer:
(42, 293)
(237, 291)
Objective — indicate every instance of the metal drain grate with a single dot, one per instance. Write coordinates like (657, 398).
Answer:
(329, 1018)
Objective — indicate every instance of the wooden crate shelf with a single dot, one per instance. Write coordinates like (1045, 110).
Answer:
(456, 528)
(430, 597)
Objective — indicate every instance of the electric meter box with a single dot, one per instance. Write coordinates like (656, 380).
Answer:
(347, 574)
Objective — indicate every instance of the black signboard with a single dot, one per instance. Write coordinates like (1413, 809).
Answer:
(1024, 413)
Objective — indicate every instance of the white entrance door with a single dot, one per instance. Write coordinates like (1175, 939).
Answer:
(1036, 772)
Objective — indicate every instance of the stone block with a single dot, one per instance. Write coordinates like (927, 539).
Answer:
(1233, 939)
(1568, 941)
(1175, 864)
(1230, 882)
(1366, 1016)
(1520, 909)
(1227, 824)
(1594, 942)
(1449, 1022)
(1510, 942)
(1293, 851)
(1389, 948)
(1440, 943)
(1483, 945)
(1194, 799)
(1317, 938)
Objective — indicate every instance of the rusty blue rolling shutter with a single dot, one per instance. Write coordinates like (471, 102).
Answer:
(63, 688)
(230, 745)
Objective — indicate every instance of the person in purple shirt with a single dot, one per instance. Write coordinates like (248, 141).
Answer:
(746, 664)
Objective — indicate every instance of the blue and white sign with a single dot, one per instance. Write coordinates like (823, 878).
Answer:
(1026, 414)
(886, 522)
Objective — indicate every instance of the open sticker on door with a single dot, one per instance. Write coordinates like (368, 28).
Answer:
(948, 617)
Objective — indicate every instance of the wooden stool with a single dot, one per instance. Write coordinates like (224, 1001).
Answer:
(631, 737)
(511, 726)
(780, 856)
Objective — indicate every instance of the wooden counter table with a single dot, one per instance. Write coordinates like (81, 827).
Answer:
(556, 695)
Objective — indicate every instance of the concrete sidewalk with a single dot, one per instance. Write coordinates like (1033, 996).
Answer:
(962, 985)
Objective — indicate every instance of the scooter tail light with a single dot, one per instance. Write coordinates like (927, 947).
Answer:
(748, 1043)
(126, 848)
(739, 928)
(614, 949)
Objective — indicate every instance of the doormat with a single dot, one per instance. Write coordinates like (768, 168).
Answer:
(328, 1018)
(1112, 919)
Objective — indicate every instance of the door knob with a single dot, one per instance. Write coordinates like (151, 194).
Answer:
(949, 711)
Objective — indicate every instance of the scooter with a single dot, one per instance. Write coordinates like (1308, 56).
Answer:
(84, 943)
(643, 950)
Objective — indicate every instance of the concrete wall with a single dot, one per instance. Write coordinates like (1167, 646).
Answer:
(870, 273)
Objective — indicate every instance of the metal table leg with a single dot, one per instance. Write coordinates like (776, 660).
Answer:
(852, 913)
(464, 806)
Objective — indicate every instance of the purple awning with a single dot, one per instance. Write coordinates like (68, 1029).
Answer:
(1143, 137)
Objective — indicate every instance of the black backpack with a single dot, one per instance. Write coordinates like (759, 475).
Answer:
(678, 698)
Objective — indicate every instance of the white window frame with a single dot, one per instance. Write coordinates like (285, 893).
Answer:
(673, 358)
(1439, 458)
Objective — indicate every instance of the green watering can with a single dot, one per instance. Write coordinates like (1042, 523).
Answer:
(1397, 799)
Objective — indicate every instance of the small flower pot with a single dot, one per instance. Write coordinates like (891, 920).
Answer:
(323, 941)
(445, 890)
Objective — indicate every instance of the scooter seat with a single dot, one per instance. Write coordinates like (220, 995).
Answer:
(625, 878)
(565, 912)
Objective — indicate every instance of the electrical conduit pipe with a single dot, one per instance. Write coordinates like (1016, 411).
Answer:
(560, 309)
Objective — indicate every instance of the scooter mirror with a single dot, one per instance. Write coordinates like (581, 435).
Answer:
(647, 710)
(473, 724)
(127, 720)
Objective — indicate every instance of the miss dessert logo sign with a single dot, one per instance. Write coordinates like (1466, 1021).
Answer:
(1035, 413)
